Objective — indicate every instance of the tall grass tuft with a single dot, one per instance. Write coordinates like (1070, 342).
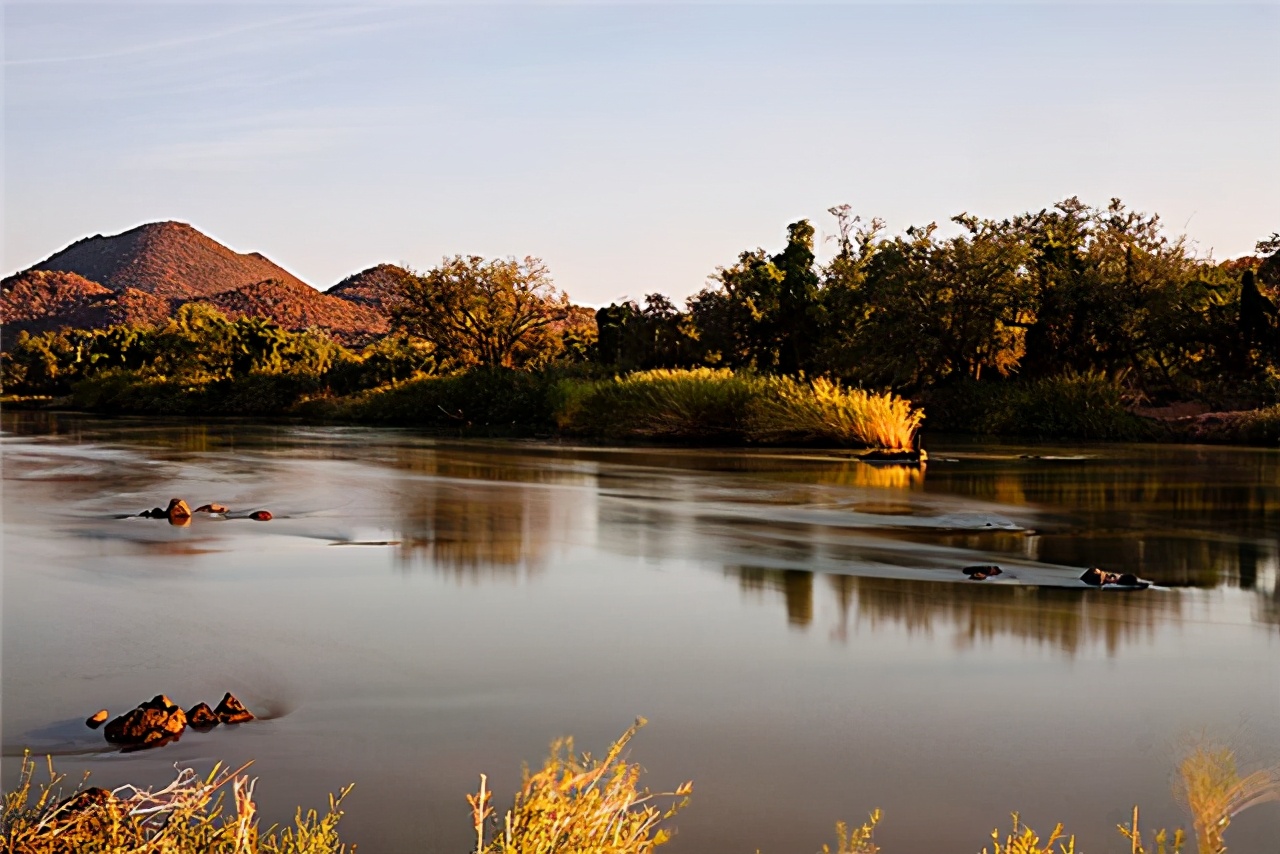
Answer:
(1023, 840)
(823, 410)
(1215, 792)
(580, 804)
(856, 840)
(185, 816)
(710, 405)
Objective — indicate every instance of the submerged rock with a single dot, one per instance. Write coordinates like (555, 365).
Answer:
(156, 720)
(1098, 577)
(1094, 576)
(97, 719)
(913, 457)
(178, 510)
(981, 572)
(153, 513)
(201, 716)
(211, 508)
(232, 711)
(261, 515)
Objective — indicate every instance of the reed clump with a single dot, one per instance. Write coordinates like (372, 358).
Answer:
(580, 804)
(721, 405)
(188, 815)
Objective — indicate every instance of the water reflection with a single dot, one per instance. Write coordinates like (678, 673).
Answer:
(476, 534)
(972, 614)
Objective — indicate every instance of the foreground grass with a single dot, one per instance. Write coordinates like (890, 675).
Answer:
(573, 804)
(188, 815)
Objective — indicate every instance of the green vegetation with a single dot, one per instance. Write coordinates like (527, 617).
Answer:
(1054, 323)
(573, 803)
(707, 404)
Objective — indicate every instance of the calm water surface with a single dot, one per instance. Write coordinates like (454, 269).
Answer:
(793, 624)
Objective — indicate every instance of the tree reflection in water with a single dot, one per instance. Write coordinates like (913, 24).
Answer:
(1067, 620)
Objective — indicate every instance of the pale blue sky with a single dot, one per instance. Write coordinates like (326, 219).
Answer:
(633, 147)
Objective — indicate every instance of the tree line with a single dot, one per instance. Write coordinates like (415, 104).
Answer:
(1067, 290)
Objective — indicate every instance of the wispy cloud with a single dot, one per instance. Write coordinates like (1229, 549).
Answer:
(274, 140)
(297, 24)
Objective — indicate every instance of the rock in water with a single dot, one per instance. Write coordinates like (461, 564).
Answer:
(232, 711)
(97, 719)
(1094, 576)
(260, 515)
(981, 572)
(158, 719)
(211, 508)
(201, 716)
(178, 510)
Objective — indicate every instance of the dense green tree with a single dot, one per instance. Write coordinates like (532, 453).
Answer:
(766, 312)
(635, 338)
(483, 312)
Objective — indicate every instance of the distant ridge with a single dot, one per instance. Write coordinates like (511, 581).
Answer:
(375, 287)
(294, 305)
(169, 259)
(40, 300)
(143, 275)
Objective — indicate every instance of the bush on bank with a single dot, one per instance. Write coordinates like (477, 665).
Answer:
(1087, 405)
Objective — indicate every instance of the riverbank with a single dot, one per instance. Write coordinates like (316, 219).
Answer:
(694, 406)
(702, 405)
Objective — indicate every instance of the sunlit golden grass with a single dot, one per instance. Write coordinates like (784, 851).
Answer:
(711, 404)
(580, 804)
(188, 815)
(573, 804)
(1215, 792)
(793, 410)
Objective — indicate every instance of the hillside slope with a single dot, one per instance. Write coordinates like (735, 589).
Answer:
(295, 306)
(169, 259)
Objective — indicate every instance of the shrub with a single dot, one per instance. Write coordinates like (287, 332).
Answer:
(494, 400)
(580, 804)
(185, 816)
(708, 404)
(1087, 405)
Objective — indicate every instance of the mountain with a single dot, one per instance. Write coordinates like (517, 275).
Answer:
(142, 275)
(36, 294)
(169, 259)
(375, 287)
(40, 300)
(295, 306)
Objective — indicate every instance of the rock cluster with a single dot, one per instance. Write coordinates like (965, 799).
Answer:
(1097, 577)
(179, 512)
(160, 720)
(981, 572)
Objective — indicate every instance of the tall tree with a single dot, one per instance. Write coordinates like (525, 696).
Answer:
(482, 312)
(766, 312)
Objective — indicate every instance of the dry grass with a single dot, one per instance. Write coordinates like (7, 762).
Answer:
(792, 410)
(707, 404)
(1215, 792)
(185, 816)
(1023, 840)
(857, 840)
(580, 804)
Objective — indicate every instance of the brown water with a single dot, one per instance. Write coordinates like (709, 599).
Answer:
(794, 625)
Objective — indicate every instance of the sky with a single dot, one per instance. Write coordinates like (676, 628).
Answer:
(633, 147)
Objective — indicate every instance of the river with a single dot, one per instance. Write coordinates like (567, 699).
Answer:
(794, 624)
